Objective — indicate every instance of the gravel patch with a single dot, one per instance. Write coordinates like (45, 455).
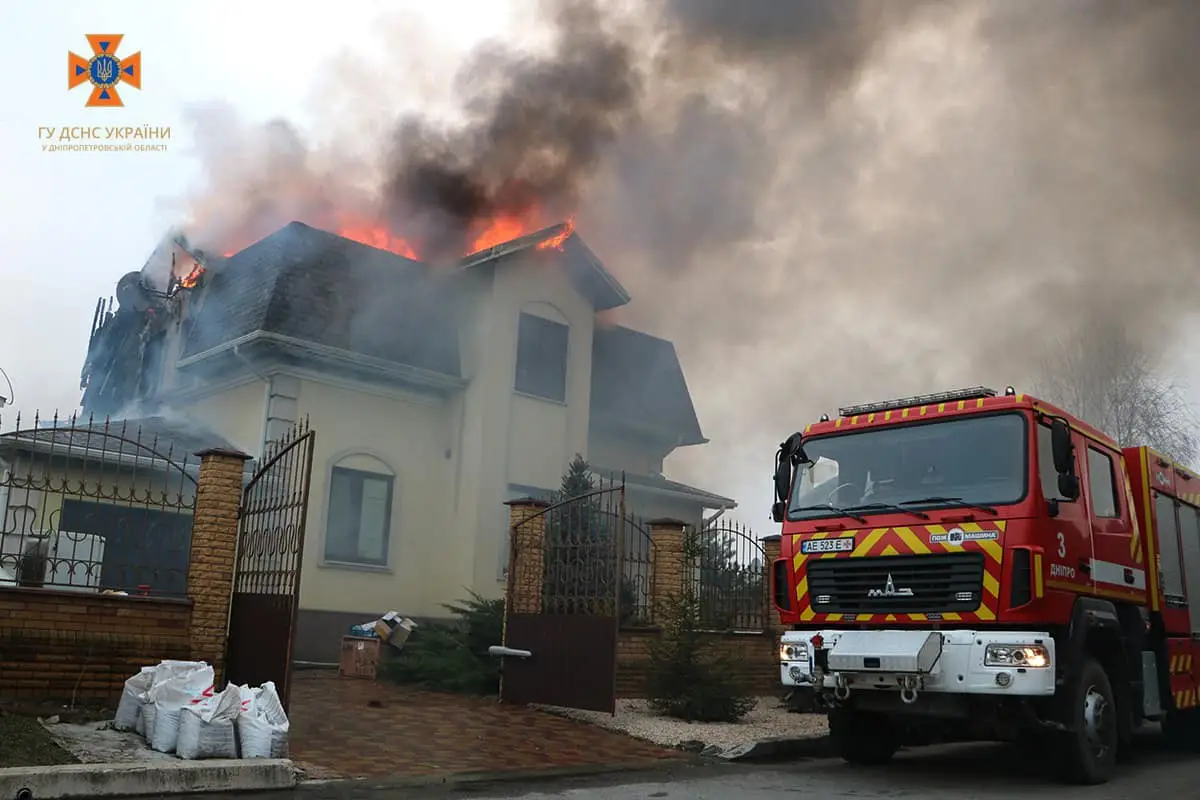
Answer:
(767, 720)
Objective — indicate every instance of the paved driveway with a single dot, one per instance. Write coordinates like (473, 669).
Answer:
(348, 728)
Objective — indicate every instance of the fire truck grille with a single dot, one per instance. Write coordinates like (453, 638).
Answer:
(896, 584)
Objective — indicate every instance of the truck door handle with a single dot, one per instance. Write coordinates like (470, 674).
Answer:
(1085, 566)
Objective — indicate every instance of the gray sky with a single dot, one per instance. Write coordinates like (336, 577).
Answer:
(76, 221)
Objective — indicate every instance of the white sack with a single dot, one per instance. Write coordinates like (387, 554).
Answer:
(145, 723)
(206, 729)
(184, 686)
(133, 696)
(264, 730)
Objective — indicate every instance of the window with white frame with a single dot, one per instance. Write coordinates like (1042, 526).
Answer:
(358, 526)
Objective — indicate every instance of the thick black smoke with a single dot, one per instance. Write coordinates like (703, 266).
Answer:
(820, 201)
(536, 129)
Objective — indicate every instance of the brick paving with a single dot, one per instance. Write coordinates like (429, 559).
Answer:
(355, 728)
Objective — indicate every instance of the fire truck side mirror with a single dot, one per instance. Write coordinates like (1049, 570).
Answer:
(791, 452)
(1064, 459)
(783, 480)
(1068, 487)
(1060, 444)
(777, 511)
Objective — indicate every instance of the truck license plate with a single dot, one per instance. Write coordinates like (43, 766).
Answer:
(841, 544)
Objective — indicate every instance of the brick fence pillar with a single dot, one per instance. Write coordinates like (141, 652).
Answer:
(771, 549)
(526, 554)
(214, 551)
(668, 569)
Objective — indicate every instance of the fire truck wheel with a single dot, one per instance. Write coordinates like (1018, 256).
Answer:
(863, 738)
(1088, 751)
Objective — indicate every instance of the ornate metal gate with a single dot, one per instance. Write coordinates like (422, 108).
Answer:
(266, 582)
(593, 554)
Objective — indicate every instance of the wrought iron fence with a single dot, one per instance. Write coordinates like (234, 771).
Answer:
(266, 582)
(727, 577)
(637, 574)
(95, 506)
(597, 556)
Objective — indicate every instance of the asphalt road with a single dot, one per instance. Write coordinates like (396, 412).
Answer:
(941, 773)
(952, 773)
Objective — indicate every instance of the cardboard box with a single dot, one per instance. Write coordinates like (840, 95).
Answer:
(361, 657)
(393, 629)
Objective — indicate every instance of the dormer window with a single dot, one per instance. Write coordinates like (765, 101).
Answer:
(542, 358)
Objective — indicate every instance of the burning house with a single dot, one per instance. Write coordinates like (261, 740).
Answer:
(437, 390)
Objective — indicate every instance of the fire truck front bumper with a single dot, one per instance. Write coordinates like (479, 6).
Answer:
(991, 662)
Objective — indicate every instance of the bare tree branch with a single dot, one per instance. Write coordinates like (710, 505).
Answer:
(1112, 381)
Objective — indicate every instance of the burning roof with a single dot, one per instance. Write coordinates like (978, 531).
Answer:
(304, 293)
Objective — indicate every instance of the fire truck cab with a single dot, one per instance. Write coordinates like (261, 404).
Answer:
(967, 566)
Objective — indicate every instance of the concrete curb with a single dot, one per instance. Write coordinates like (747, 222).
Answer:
(779, 748)
(131, 780)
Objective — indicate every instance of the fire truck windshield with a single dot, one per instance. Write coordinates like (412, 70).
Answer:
(980, 461)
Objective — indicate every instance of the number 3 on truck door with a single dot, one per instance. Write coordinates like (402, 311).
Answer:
(1069, 546)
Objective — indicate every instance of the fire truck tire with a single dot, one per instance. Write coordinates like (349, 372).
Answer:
(862, 738)
(1087, 752)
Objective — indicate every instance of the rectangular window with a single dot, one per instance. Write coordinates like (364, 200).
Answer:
(1170, 576)
(1102, 484)
(1189, 540)
(542, 358)
(1046, 471)
(360, 509)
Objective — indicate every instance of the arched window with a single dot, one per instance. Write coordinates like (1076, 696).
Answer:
(358, 523)
(542, 338)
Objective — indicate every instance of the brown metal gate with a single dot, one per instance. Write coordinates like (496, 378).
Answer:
(266, 582)
(573, 638)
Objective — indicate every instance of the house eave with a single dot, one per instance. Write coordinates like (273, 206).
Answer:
(335, 355)
(705, 499)
(699, 496)
(613, 424)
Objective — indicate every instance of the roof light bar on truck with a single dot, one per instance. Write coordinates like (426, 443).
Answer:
(973, 393)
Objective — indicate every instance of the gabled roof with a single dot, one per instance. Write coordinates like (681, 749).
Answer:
(638, 383)
(315, 286)
(584, 269)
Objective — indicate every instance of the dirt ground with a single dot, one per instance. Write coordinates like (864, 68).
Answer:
(25, 743)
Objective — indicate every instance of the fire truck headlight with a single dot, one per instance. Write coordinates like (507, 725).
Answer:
(1033, 656)
(793, 651)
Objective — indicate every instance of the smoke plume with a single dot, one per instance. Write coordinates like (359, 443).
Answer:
(820, 202)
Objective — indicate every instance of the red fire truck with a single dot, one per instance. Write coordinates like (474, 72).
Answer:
(967, 566)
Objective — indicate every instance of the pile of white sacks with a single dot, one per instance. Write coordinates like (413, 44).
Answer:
(175, 707)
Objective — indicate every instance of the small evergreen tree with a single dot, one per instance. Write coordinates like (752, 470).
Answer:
(686, 678)
(582, 563)
(454, 657)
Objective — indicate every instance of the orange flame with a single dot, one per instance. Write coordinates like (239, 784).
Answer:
(498, 231)
(192, 279)
(379, 238)
(556, 241)
(483, 236)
